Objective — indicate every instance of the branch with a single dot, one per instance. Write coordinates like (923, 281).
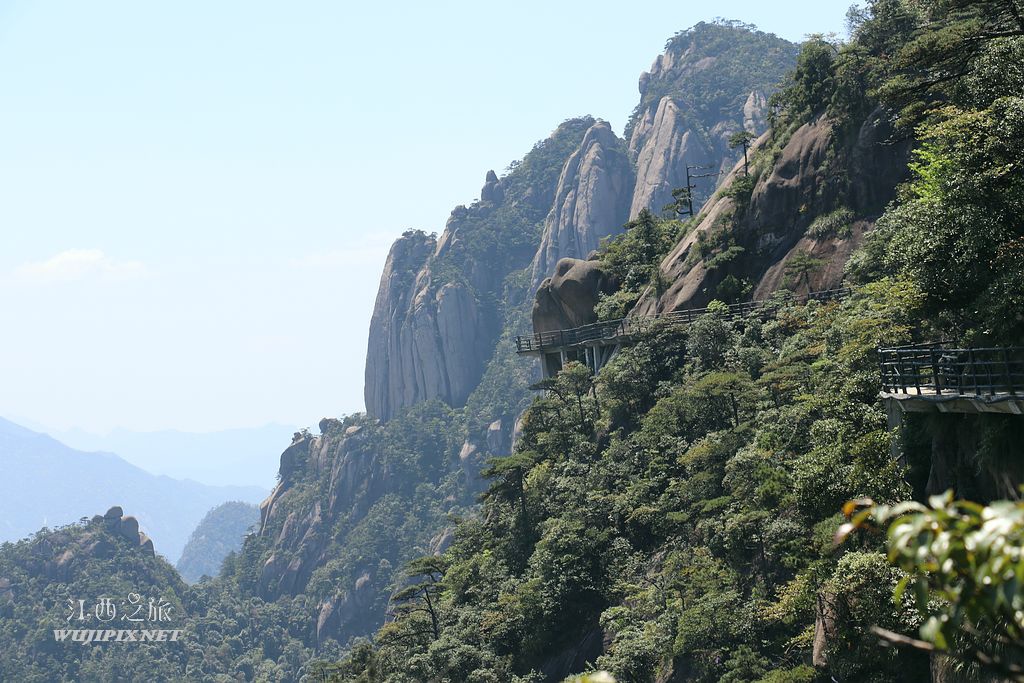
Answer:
(900, 640)
(1012, 671)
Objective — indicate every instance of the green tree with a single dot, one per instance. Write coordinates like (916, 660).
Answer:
(742, 139)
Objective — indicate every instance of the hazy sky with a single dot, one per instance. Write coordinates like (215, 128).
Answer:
(196, 198)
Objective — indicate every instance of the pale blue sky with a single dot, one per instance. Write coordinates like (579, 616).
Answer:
(196, 198)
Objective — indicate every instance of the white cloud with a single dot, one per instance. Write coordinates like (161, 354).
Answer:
(79, 264)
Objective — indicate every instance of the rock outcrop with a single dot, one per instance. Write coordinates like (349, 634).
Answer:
(664, 142)
(355, 481)
(567, 298)
(591, 202)
(691, 102)
(60, 554)
(814, 176)
(426, 342)
(436, 321)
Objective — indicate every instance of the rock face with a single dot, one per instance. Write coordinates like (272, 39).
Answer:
(436, 321)
(567, 298)
(591, 202)
(349, 470)
(813, 176)
(664, 144)
(426, 342)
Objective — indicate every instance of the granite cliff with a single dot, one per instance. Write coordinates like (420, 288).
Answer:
(793, 223)
(340, 549)
(439, 309)
(443, 303)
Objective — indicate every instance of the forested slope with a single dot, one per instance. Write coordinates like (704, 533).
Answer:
(673, 518)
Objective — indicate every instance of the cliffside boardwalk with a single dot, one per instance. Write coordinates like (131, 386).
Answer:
(939, 378)
(934, 377)
(596, 343)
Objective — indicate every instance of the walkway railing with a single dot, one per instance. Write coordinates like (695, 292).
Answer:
(612, 331)
(937, 370)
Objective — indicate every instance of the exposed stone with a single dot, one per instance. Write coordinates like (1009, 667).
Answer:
(130, 529)
(492, 190)
(664, 143)
(293, 458)
(878, 163)
(102, 549)
(591, 202)
(471, 461)
(353, 430)
(772, 229)
(329, 425)
(797, 179)
(567, 298)
(441, 541)
(388, 352)
(114, 513)
(824, 629)
(517, 433)
(425, 342)
(146, 544)
(340, 613)
(754, 110)
(496, 438)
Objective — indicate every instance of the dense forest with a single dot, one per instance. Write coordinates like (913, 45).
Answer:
(723, 501)
(673, 518)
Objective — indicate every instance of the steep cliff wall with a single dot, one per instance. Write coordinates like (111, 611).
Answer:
(710, 82)
(591, 202)
(433, 339)
(812, 196)
(441, 302)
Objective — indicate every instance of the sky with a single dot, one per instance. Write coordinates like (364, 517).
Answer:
(197, 198)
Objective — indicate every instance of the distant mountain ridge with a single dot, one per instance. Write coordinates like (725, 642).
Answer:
(221, 531)
(230, 457)
(47, 483)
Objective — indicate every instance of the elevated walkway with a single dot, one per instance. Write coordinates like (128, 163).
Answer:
(934, 377)
(596, 343)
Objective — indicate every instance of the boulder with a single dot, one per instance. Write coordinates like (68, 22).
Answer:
(129, 529)
(567, 298)
(329, 425)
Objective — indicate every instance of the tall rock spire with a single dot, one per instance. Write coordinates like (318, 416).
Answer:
(591, 201)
